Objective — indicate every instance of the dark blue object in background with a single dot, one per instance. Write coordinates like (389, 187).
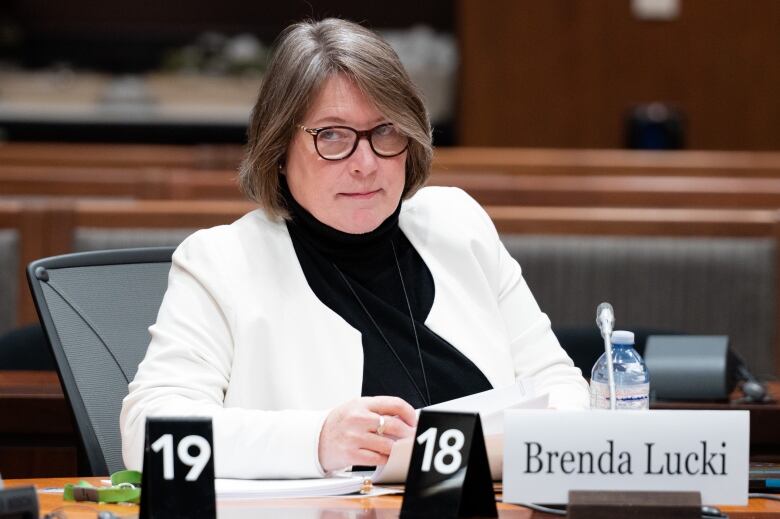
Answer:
(655, 126)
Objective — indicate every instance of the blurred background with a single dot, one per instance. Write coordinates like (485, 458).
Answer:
(627, 151)
(557, 73)
(183, 72)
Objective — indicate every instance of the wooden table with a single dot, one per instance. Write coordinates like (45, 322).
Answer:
(327, 508)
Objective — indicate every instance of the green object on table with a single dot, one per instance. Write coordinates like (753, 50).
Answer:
(126, 476)
(126, 488)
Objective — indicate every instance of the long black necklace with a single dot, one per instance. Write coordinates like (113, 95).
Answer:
(427, 393)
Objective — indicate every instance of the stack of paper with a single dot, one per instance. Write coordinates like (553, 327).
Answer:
(273, 488)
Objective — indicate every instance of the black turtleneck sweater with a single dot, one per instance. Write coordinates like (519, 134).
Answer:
(368, 263)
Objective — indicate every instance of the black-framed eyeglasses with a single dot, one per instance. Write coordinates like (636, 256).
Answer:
(339, 142)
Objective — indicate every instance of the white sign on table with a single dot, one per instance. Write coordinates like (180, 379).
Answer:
(546, 453)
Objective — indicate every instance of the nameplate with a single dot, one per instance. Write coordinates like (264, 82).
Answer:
(549, 453)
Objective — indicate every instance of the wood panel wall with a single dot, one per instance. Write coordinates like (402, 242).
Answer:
(562, 73)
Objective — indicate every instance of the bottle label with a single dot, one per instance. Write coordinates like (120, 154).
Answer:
(635, 396)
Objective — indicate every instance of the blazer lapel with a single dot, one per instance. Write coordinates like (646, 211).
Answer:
(326, 351)
(464, 310)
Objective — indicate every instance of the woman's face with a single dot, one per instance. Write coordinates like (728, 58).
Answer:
(354, 194)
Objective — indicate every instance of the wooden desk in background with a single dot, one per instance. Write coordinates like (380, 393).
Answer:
(38, 439)
(764, 420)
(330, 508)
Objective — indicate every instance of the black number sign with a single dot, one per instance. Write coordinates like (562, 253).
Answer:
(178, 471)
(449, 475)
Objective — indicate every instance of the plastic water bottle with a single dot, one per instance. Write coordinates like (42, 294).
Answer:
(632, 380)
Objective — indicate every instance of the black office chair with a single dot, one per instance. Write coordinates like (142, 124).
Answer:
(95, 308)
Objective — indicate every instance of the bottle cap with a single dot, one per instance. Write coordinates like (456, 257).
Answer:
(622, 337)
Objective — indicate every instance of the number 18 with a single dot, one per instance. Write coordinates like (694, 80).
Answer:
(445, 449)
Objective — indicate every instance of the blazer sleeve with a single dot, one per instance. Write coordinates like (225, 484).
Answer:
(186, 372)
(535, 350)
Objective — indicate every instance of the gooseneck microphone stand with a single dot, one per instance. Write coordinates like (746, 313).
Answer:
(605, 319)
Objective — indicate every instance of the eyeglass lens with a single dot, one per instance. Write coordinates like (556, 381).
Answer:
(339, 142)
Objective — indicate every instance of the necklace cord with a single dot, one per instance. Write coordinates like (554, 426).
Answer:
(414, 327)
(427, 393)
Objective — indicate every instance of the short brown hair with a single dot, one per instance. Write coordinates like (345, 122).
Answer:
(305, 56)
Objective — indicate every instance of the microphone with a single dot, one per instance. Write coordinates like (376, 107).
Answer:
(605, 320)
(754, 391)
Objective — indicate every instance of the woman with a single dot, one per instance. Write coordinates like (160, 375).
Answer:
(311, 328)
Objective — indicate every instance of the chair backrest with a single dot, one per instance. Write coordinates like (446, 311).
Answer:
(89, 239)
(9, 261)
(96, 308)
(685, 285)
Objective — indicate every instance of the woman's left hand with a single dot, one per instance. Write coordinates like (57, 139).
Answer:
(362, 431)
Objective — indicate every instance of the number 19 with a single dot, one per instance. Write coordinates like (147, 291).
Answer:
(197, 463)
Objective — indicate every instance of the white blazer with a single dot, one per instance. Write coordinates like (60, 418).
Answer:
(242, 338)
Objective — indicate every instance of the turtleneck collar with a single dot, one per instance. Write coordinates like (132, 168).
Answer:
(339, 246)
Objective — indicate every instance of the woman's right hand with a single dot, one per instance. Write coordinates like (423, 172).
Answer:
(349, 435)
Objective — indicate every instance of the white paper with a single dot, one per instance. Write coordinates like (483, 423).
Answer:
(337, 485)
(548, 454)
(490, 405)
(252, 507)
